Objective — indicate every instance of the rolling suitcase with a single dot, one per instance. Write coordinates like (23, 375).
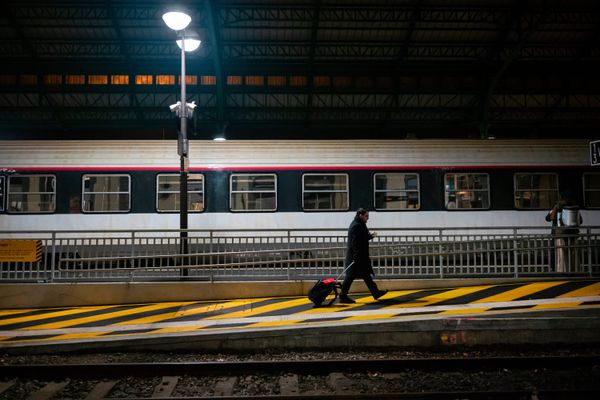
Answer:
(325, 288)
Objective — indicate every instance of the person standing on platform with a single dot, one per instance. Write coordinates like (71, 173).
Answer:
(565, 254)
(357, 252)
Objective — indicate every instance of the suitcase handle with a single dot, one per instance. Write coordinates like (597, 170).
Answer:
(344, 271)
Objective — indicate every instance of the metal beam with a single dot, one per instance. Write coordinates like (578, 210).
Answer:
(394, 101)
(513, 54)
(212, 21)
(29, 50)
(310, 67)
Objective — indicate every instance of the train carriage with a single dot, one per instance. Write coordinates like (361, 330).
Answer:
(293, 184)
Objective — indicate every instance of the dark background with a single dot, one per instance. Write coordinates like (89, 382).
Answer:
(303, 69)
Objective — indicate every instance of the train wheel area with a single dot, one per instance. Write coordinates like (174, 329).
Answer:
(558, 311)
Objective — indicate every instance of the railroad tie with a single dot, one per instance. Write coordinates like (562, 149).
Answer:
(339, 383)
(48, 391)
(101, 390)
(288, 385)
(6, 385)
(166, 386)
(224, 387)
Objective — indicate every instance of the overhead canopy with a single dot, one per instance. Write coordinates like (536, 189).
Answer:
(302, 69)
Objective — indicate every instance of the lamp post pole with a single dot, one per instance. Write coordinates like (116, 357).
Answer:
(182, 149)
(178, 21)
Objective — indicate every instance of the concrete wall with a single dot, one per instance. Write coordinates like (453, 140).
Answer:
(33, 295)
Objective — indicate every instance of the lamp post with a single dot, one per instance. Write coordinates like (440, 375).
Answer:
(178, 21)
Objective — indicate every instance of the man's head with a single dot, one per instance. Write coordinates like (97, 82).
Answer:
(565, 197)
(363, 214)
(565, 194)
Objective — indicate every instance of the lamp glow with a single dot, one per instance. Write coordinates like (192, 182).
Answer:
(177, 20)
(190, 44)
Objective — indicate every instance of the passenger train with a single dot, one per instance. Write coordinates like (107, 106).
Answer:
(295, 184)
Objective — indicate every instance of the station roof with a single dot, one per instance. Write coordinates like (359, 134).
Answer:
(302, 69)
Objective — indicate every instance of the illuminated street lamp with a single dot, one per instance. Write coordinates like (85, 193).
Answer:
(178, 21)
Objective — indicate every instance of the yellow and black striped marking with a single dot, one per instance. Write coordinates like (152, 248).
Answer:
(104, 322)
(20, 250)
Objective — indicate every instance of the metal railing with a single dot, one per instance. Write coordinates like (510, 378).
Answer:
(148, 255)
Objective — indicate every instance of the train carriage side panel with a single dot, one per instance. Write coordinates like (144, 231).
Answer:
(431, 159)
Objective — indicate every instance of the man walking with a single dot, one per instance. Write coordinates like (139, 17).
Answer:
(358, 252)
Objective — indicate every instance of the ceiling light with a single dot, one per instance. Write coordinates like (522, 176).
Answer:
(177, 20)
(191, 44)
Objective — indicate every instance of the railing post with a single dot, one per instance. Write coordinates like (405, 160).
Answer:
(589, 249)
(289, 241)
(211, 262)
(515, 253)
(441, 257)
(53, 257)
(132, 262)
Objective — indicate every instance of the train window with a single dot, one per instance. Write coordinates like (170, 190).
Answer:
(591, 190)
(167, 192)
(467, 191)
(106, 193)
(31, 194)
(324, 192)
(253, 192)
(536, 190)
(396, 191)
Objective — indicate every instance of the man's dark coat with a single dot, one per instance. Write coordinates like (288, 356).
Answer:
(358, 249)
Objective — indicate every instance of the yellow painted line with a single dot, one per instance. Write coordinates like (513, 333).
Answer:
(123, 333)
(317, 322)
(425, 301)
(400, 293)
(176, 329)
(194, 309)
(464, 311)
(366, 317)
(262, 309)
(556, 305)
(101, 317)
(4, 338)
(518, 292)
(273, 323)
(85, 335)
(569, 305)
(55, 314)
(439, 297)
(223, 328)
(590, 290)
(337, 306)
(13, 312)
(361, 300)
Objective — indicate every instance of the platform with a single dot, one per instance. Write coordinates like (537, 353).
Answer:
(559, 311)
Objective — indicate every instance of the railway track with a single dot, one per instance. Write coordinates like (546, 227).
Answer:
(447, 378)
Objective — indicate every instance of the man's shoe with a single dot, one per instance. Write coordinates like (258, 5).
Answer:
(344, 299)
(379, 294)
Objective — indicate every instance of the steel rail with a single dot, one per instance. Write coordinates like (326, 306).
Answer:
(470, 395)
(117, 370)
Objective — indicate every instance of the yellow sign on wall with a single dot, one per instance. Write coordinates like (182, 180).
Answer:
(20, 250)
